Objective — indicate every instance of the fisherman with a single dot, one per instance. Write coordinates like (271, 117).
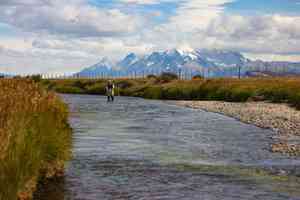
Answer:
(110, 91)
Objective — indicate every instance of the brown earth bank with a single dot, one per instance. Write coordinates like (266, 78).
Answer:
(281, 118)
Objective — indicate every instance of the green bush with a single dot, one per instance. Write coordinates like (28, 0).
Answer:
(197, 77)
(295, 100)
(78, 84)
(166, 77)
(123, 84)
(240, 95)
(153, 92)
(151, 76)
(69, 90)
(97, 88)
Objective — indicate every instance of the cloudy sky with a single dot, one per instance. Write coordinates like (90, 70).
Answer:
(46, 36)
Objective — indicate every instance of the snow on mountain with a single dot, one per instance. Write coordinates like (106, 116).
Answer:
(221, 58)
(104, 66)
(130, 59)
(175, 60)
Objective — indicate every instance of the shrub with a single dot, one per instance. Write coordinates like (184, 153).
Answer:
(124, 84)
(197, 77)
(167, 77)
(69, 90)
(97, 88)
(171, 93)
(153, 92)
(36, 78)
(78, 84)
(239, 95)
(295, 100)
(151, 76)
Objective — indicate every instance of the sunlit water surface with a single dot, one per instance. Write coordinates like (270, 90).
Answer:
(141, 149)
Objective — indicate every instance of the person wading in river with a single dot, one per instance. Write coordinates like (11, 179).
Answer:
(110, 91)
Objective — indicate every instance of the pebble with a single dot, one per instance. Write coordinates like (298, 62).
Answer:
(281, 118)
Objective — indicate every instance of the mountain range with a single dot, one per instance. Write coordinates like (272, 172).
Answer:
(214, 62)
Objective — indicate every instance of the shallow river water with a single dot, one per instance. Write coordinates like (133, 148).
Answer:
(145, 150)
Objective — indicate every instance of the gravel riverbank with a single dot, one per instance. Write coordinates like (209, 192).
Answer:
(282, 119)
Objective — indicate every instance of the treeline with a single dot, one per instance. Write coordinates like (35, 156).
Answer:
(169, 87)
(35, 138)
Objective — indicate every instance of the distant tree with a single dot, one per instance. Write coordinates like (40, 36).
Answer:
(151, 76)
(168, 76)
(36, 78)
(197, 77)
(17, 77)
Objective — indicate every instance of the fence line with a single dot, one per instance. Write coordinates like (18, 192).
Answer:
(182, 73)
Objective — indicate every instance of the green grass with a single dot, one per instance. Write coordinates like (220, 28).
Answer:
(35, 138)
(277, 90)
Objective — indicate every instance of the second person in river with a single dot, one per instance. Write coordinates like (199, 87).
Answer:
(110, 87)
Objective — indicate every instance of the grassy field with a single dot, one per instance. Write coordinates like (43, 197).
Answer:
(35, 138)
(279, 90)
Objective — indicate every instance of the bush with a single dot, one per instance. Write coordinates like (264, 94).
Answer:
(151, 76)
(69, 90)
(97, 88)
(197, 77)
(153, 92)
(36, 78)
(172, 93)
(239, 95)
(295, 100)
(79, 84)
(123, 84)
(166, 77)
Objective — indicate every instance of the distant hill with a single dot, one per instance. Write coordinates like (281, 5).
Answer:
(210, 62)
(2, 75)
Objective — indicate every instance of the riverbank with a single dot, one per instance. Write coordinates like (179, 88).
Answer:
(281, 118)
(168, 87)
(35, 137)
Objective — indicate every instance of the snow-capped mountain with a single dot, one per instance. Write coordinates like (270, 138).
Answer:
(128, 60)
(159, 61)
(104, 66)
(173, 60)
(216, 62)
(221, 58)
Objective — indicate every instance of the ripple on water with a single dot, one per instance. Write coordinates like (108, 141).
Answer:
(140, 149)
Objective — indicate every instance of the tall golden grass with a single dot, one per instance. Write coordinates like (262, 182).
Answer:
(35, 138)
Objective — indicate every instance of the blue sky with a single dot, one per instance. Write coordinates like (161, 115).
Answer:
(290, 7)
(67, 35)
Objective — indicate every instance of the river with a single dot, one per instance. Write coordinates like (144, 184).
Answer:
(141, 149)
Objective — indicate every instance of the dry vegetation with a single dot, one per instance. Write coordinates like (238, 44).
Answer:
(277, 90)
(35, 137)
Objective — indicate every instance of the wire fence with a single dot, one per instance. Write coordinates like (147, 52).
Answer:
(182, 73)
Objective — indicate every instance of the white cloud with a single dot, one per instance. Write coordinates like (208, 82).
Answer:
(62, 17)
(145, 2)
(64, 35)
(206, 25)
